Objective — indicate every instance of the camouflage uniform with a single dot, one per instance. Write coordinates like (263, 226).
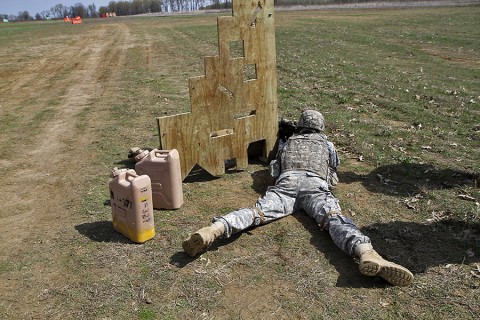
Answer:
(307, 162)
(305, 170)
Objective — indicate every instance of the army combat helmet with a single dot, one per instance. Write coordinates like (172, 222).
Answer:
(311, 119)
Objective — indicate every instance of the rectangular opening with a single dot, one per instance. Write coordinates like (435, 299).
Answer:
(240, 115)
(220, 133)
(255, 150)
(236, 49)
(230, 164)
(249, 72)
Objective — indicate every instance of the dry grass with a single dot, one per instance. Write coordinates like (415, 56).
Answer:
(396, 87)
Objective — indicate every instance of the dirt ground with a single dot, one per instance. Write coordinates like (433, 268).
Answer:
(43, 165)
(61, 260)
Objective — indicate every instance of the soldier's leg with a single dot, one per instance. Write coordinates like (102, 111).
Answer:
(276, 203)
(325, 209)
(202, 238)
(371, 263)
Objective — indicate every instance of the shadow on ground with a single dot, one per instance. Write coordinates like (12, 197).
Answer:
(406, 179)
(414, 245)
(181, 259)
(422, 245)
(101, 231)
(349, 275)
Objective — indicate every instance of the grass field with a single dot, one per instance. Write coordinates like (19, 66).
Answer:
(399, 89)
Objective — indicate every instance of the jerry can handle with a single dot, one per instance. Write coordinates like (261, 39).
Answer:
(161, 153)
(130, 175)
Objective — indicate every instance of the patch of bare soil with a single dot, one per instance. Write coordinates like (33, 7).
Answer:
(39, 190)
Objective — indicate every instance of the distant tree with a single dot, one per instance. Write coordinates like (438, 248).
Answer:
(38, 16)
(165, 6)
(154, 5)
(197, 4)
(123, 8)
(216, 4)
(45, 14)
(102, 10)
(24, 16)
(92, 10)
(172, 5)
(181, 5)
(59, 10)
(111, 6)
(78, 9)
(136, 7)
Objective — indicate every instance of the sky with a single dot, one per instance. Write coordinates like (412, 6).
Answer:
(37, 6)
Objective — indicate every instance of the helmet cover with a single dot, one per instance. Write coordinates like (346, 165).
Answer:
(311, 119)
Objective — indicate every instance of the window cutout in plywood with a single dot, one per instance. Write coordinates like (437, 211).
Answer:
(230, 164)
(255, 149)
(241, 115)
(220, 133)
(236, 49)
(249, 72)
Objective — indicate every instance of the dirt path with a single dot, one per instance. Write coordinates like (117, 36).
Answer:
(35, 218)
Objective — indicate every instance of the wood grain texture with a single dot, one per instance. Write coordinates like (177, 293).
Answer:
(235, 102)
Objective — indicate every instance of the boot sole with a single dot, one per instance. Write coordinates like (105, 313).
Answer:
(393, 273)
(370, 269)
(396, 275)
(193, 245)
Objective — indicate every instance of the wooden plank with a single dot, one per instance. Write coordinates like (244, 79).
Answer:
(235, 102)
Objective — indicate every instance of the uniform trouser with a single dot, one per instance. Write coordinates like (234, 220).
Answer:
(294, 191)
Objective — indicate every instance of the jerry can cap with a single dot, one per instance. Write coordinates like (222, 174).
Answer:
(141, 155)
(115, 172)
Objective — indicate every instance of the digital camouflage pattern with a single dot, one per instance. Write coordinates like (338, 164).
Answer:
(307, 152)
(305, 172)
(311, 119)
(301, 189)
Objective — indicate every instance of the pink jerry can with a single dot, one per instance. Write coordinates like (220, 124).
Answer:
(163, 168)
(132, 205)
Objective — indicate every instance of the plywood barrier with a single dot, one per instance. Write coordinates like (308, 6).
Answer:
(235, 102)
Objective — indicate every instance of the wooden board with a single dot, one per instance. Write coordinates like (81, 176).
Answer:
(235, 102)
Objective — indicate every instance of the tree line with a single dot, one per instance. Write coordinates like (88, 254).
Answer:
(133, 7)
(121, 8)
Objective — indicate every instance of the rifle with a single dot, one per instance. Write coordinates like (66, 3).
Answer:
(286, 128)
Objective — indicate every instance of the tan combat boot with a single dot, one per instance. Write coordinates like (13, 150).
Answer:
(201, 239)
(371, 264)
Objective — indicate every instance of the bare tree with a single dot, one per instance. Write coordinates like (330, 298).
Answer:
(45, 14)
(102, 10)
(58, 10)
(92, 10)
(111, 6)
(78, 9)
(24, 16)
(136, 7)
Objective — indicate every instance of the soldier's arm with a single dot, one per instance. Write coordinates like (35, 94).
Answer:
(334, 162)
(275, 168)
